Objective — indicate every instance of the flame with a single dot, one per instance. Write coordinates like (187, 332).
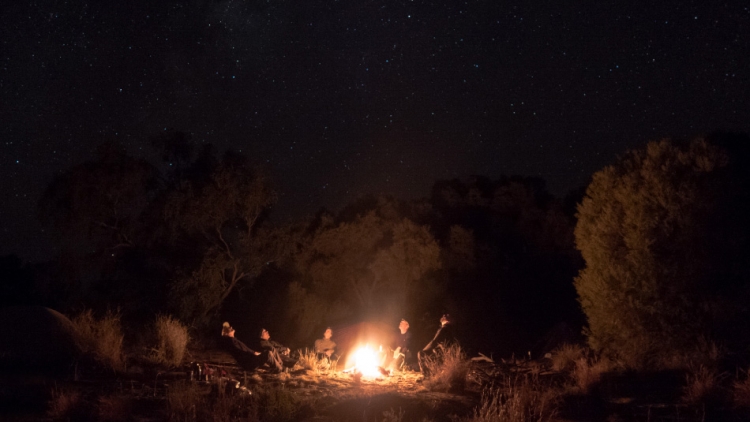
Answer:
(367, 361)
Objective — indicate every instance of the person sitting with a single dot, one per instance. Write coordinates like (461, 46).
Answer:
(325, 347)
(402, 348)
(246, 357)
(276, 348)
(444, 336)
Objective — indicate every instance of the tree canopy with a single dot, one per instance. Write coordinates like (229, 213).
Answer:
(663, 234)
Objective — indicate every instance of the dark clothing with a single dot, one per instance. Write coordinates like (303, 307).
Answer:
(278, 349)
(404, 342)
(247, 358)
(444, 336)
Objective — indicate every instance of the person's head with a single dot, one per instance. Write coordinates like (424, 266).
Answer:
(445, 319)
(264, 334)
(328, 333)
(227, 330)
(403, 326)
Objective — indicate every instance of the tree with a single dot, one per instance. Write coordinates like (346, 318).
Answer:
(98, 202)
(662, 234)
(220, 217)
(373, 265)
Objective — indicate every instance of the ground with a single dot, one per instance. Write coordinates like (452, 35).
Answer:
(151, 393)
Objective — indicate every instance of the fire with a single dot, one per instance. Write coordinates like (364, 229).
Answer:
(367, 361)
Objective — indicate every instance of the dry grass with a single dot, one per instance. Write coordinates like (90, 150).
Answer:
(184, 400)
(448, 368)
(564, 358)
(525, 399)
(741, 392)
(588, 372)
(702, 385)
(101, 338)
(171, 338)
(391, 415)
(65, 404)
(308, 360)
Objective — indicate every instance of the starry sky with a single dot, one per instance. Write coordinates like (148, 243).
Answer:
(344, 98)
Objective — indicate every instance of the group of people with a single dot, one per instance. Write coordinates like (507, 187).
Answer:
(277, 357)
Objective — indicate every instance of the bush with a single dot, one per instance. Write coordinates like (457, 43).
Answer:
(702, 385)
(448, 368)
(101, 339)
(65, 404)
(663, 233)
(564, 358)
(171, 338)
(588, 373)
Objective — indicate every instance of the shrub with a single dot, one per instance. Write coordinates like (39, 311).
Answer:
(589, 372)
(65, 404)
(101, 338)
(564, 358)
(637, 230)
(171, 341)
(702, 385)
(448, 368)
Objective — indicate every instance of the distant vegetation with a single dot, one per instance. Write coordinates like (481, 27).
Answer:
(653, 259)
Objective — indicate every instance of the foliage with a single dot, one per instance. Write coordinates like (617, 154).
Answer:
(507, 258)
(171, 338)
(102, 338)
(662, 243)
(373, 266)
(220, 214)
(149, 238)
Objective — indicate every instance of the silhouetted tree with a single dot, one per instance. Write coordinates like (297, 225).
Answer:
(663, 233)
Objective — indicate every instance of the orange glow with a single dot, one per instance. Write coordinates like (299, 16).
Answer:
(367, 361)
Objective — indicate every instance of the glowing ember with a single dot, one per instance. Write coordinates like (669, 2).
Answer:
(367, 361)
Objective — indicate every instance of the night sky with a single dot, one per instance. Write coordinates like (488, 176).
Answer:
(343, 98)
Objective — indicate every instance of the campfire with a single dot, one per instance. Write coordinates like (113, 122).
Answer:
(367, 361)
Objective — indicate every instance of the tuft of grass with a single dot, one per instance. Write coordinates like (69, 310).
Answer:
(525, 399)
(391, 415)
(588, 372)
(702, 384)
(564, 358)
(171, 338)
(65, 404)
(448, 368)
(102, 338)
(308, 359)
(741, 392)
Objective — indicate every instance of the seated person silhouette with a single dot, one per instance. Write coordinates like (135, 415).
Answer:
(246, 357)
(273, 347)
(325, 348)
